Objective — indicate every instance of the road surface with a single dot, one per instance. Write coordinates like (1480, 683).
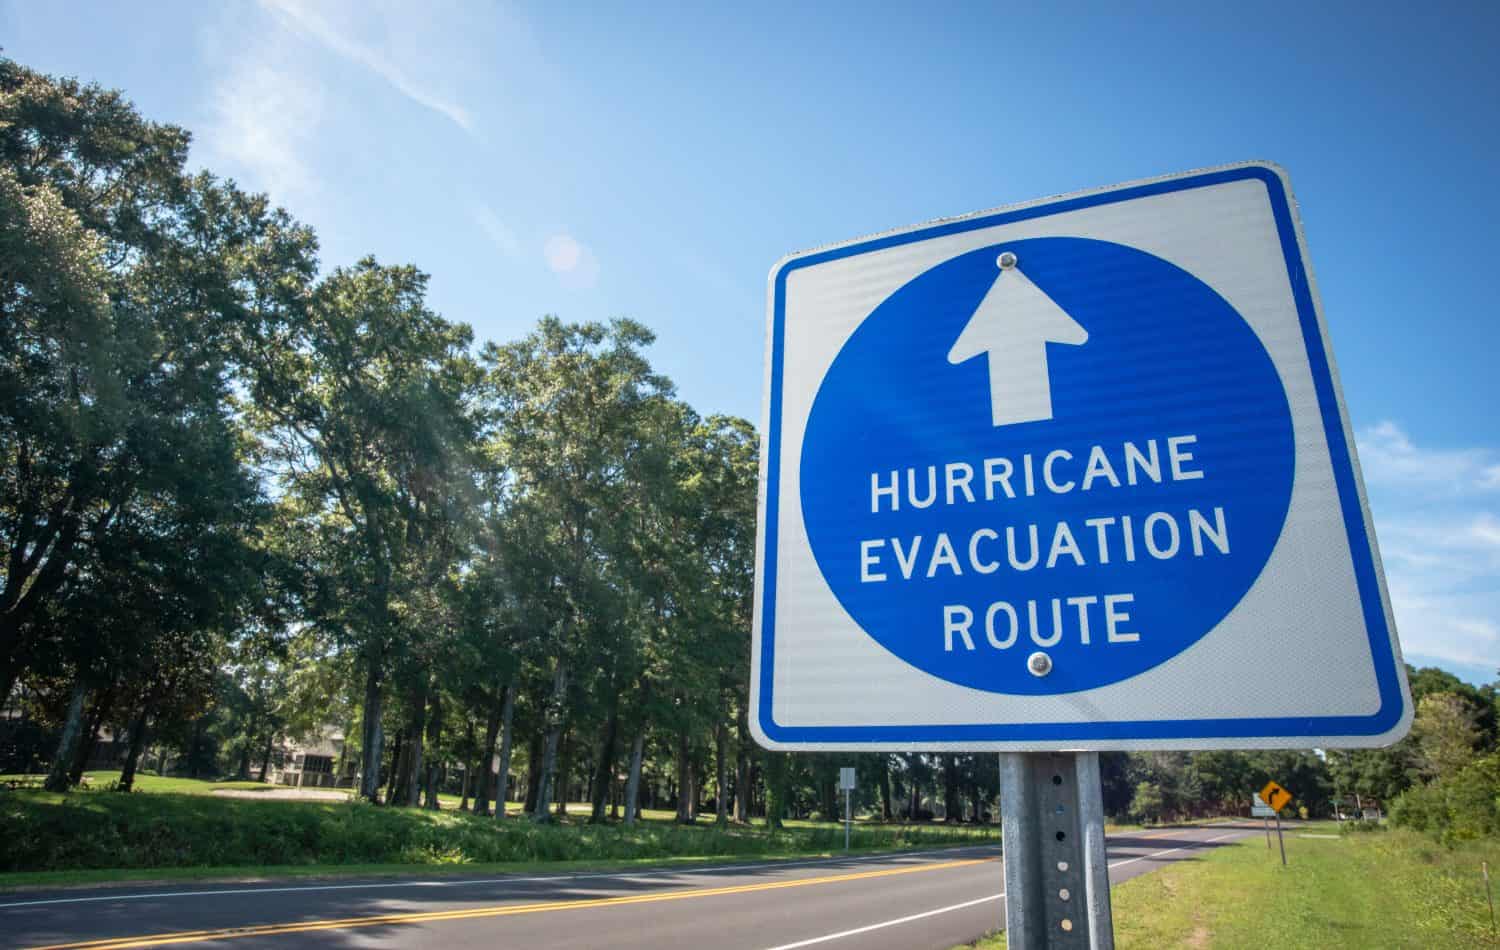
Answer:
(931, 899)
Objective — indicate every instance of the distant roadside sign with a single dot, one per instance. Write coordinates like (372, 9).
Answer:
(1075, 474)
(1259, 808)
(846, 778)
(1275, 796)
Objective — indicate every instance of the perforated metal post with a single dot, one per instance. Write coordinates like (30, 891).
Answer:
(1056, 869)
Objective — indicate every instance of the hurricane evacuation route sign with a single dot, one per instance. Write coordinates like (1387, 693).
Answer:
(1071, 475)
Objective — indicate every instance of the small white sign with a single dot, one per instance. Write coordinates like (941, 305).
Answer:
(1259, 809)
(846, 778)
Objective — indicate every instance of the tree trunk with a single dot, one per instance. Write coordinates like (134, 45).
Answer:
(398, 760)
(633, 783)
(502, 778)
(534, 747)
(566, 747)
(434, 736)
(775, 773)
(243, 772)
(372, 738)
(137, 743)
(9, 673)
(952, 808)
(57, 776)
(743, 787)
(487, 762)
(916, 787)
(463, 802)
(343, 760)
(407, 792)
(885, 788)
(605, 772)
(90, 738)
(265, 759)
(194, 761)
(721, 799)
(554, 714)
(684, 780)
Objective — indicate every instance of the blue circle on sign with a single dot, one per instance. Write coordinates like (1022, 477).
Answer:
(1111, 530)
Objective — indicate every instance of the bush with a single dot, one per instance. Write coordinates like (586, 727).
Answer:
(1360, 825)
(82, 830)
(1461, 807)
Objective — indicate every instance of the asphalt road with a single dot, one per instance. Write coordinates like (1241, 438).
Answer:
(931, 899)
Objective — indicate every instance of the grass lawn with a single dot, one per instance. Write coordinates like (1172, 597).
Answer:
(173, 829)
(144, 783)
(1365, 890)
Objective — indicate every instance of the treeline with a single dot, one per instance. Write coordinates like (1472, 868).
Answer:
(217, 459)
(246, 500)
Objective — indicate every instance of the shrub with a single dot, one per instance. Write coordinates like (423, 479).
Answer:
(1461, 807)
(83, 830)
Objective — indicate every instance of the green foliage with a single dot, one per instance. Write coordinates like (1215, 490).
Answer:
(97, 830)
(1149, 803)
(1445, 733)
(1463, 806)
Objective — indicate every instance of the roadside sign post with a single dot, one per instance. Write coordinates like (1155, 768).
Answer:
(1056, 870)
(1276, 798)
(1031, 479)
(846, 782)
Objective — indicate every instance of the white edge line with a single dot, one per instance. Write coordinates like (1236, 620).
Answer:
(982, 900)
(471, 882)
(888, 923)
(1157, 854)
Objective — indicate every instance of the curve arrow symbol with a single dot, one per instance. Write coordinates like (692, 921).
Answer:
(1013, 325)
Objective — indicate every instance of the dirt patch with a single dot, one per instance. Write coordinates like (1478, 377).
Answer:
(1200, 937)
(286, 794)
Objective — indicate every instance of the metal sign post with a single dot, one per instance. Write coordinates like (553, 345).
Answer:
(1056, 872)
(847, 818)
(846, 782)
(1272, 799)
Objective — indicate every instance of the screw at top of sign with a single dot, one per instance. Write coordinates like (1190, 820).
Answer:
(1012, 327)
(1039, 663)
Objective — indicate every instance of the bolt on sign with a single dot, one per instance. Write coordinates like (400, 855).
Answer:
(1074, 474)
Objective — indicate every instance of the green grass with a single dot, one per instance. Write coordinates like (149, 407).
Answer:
(1370, 890)
(150, 784)
(100, 835)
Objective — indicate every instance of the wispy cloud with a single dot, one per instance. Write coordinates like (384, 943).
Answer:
(1436, 516)
(307, 21)
(264, 114)
(496, 230)
(1388, 454)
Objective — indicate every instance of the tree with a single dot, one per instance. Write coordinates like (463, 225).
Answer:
(125, 285)
(362, 395)
(1445, 733)
(569, 401)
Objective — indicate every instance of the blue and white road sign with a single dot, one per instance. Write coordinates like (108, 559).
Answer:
(1071, 475)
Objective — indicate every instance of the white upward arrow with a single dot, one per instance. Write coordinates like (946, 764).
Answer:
(1013, 325)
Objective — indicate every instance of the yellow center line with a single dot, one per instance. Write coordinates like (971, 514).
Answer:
(266, 930)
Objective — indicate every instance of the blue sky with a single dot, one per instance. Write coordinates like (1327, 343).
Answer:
(654, 162)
